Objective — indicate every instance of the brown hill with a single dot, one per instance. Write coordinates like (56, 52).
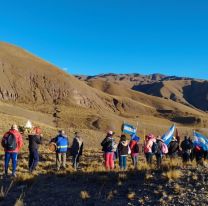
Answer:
(190, 92)
(178, 89)
(28, 84)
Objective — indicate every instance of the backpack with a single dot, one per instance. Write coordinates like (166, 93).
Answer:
(154, 148)
(109, 146)
(10, 142)
(62, 144)
(164, 148)
(136, 148)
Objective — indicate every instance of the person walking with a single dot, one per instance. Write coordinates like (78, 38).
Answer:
(134, 146)
(35, 138)
(12, 143)
(62, 144)
(150, 147)
(108, 149)
(123, 151)
(76, 150)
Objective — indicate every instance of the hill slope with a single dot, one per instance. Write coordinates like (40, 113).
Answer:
(29, 82)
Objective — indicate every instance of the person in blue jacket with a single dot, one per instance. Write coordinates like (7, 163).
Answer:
(62, 144)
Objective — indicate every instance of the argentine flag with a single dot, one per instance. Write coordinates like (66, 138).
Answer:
(129, 129)
(168, 136)
(201, 141)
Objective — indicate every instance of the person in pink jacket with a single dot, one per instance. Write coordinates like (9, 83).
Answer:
(148, 147)
(12, 142)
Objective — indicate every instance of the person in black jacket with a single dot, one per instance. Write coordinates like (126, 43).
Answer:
(159, 153)
(35, 138)
(173, 148)
(123, 151)
(76, 150)
(186, 146)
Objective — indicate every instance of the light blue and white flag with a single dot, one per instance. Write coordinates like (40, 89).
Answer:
(168, 136)
(201, 141)
(129, 129)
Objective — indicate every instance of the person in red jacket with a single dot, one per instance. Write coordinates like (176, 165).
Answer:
(134, 146)
(12, 143)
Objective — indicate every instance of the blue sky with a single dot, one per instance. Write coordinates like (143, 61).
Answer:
(120, 36)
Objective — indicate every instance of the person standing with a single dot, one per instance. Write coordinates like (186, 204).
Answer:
(123, 151)
(159, 152)
(12, 143)
(35, 138)
(108, 149)
(62, 144)
(76, 150)
(134, 146)
(150, 147)
(186, 146)
(173, 148)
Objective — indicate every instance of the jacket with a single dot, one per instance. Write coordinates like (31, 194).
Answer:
(132, 145)
(148, 145)
(18, 137)
(34, 141)
(186, 145)
(173, 147)
(108, 144)
(123, 148)
(77, 146)
(159, 146)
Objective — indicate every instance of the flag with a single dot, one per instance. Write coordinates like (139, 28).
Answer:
(168, 136)
(201, 141)
(177, 135)
(129, 129)
(135, 137)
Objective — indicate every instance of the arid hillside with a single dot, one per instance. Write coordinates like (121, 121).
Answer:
(188, 91)
(32, 88)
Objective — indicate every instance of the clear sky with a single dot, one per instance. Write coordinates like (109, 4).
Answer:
(120, 36)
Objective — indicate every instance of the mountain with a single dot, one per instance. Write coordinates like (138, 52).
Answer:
(188, 91)
(31, 88)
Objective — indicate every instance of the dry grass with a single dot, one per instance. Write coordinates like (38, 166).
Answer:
(173, 174)
(131, 195)
(84, 195)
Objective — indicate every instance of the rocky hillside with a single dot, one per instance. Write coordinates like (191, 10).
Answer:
(188, 91)
(103, 103)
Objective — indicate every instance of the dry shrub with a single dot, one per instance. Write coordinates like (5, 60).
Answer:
(4, 191)
(84, 195)
(111, 194)
(131, 195)
(177, 188)
(194, 177)
(25, 177)
(148, 176)
(173, 174)
(19, 202)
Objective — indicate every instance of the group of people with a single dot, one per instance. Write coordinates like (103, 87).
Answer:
(121, 150)
(12, 142)
(153, 146)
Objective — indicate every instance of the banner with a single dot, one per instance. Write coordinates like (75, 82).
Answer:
(201, 141)
(128, 129)
(135, 137)
(168, 136)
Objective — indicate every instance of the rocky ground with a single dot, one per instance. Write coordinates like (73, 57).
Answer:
(91, 185)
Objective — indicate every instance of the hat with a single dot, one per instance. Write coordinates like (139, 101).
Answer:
(150, 136)
(123, 137)
(110, 132)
